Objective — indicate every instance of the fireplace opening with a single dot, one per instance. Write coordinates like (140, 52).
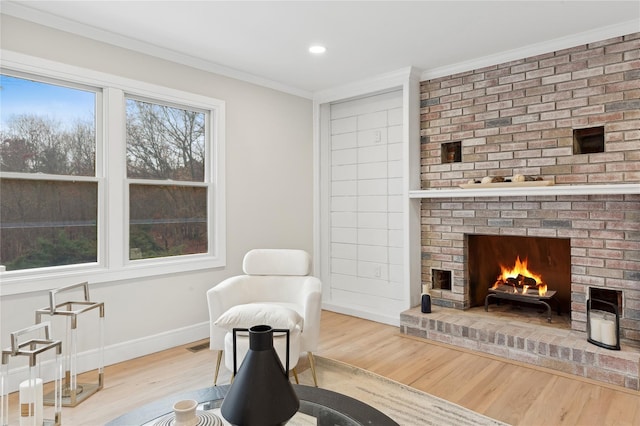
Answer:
(526, 266)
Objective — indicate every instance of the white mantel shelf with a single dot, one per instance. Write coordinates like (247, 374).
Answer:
(608, 189)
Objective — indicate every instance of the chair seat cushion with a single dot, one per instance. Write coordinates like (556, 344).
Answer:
(251, 314)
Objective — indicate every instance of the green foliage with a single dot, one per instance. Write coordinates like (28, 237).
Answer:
(59, 250)
(142, 238)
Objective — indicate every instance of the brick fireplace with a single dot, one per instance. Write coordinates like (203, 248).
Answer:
(571, 117)
(603, 230)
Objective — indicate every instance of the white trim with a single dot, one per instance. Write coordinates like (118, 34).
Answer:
(22, 11)
(123, 351)
(367, 87)
(368, 315)
(114, 265)
(54, 277)
(321, 193)
(554, 45)
(406, 81)
(411, 176)
(604, 189)
(46, 176)
(39, 66)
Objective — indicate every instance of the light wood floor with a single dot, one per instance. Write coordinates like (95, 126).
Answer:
(511, 392)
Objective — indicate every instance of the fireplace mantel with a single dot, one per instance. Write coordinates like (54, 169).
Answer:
(607, 189)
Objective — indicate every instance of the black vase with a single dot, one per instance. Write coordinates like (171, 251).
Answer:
(426, 304)
(261, 393)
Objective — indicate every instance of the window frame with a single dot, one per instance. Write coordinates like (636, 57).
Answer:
(98, 169)
(113, 263)
(209, 177)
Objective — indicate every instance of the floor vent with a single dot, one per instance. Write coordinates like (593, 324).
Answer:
(199, 347)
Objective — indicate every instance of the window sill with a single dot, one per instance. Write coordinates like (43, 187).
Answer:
(21, 282)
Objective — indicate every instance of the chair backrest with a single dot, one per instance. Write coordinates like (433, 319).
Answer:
(281, 276)
(279, 262)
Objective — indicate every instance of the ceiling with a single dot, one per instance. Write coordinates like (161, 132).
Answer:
(266, 42)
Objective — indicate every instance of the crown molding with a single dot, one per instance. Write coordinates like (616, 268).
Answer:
(376, 84)
(572, 40)
(23, 11)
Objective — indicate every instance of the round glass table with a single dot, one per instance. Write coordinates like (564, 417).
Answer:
(317, 406)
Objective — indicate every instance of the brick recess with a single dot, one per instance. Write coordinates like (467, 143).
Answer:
(518, 118)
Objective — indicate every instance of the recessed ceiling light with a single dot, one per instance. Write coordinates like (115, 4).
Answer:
(317, 49)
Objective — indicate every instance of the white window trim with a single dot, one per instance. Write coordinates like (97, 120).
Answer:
(113, 252)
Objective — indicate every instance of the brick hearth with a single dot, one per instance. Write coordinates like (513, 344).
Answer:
(557, 348)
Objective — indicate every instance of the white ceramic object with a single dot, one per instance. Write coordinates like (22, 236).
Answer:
(185, 412)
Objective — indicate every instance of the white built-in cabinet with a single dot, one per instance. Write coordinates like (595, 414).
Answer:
(365, 163)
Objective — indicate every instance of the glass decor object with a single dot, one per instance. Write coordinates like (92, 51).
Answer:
(32, 342)
(261, 393)
(74, 392)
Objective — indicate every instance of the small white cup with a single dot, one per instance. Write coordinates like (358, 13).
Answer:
(185, 412)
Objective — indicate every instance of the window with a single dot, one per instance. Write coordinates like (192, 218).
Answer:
(166, 143)
(104, 177)
(49, 203)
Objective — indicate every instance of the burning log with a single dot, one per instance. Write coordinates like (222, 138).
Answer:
(519, 280)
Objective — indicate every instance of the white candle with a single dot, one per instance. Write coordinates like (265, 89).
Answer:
(609, 332)
(31, 403)
(596, 328)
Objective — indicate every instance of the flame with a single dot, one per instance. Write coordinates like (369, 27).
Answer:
(520, 268)
(542, 289)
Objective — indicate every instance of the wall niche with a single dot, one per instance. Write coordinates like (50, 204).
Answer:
(589, 140)
(451, 152)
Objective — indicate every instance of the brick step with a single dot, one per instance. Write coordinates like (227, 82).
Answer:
(555, 348)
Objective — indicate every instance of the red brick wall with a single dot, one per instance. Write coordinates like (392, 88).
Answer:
(518, 118)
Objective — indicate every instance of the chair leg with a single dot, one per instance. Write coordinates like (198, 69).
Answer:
(295, 374)
(312, 364)
(215, 377)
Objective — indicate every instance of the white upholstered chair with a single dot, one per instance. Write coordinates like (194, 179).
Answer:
(277, 290)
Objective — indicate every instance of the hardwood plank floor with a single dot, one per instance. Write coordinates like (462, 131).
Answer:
(515, 393)
(509, 391)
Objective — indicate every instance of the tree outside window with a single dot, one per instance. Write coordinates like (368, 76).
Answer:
(48, 185)
(168, 189)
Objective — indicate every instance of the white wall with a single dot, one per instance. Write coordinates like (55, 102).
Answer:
(269, 187)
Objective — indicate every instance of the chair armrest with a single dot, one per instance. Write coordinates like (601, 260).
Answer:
(226, 294)
(312, 308)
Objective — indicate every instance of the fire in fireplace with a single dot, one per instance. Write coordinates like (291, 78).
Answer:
(518, 284)
(534, 268)
(519, 279)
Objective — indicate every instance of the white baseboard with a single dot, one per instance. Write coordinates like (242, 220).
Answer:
(119, 352)
(390, 319)
(158, 342)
